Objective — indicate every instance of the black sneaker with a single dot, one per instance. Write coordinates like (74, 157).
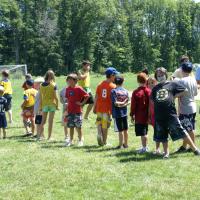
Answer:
(197, 152)
(189, 150)
(125, 146)
(181, 149)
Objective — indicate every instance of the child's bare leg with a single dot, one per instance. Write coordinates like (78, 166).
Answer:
(4, 133)
(25, 125)
(38, 130)
(32, 125)
(66, 130)
(121, 138)
(165, 148)
(189, 141)
(10, 116)
(157, 146)
(80, 134)
(126, 137)
(71, 134)
(44, 118)
(88, 110)
(50, 126)
(144, 141)
(104, 135)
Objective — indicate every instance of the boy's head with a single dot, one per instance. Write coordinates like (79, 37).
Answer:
(184, 58)
(5, 73)
(187, 67)
(86, 65)
(119, 80)
(37, 82)
(29, 83)
(161, 74)
(142, 78)
(146, 71)
(72, 80)
(151, 82)
(111, 72)
(1, 90)
(28, 76)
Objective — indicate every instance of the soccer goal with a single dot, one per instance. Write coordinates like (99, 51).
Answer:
(16, 71)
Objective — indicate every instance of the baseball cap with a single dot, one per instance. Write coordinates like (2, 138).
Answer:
(187, 66)
(30, 82)
(111, 71)
(2, 88)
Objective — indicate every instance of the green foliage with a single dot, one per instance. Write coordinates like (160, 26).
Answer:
(127, 34)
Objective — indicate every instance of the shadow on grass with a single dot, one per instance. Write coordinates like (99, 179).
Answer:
(50, 146)
(133, 156)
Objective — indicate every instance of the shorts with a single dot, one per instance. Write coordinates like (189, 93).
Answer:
(38, 119)
(103, 119)
(49, 109)
(8, 105)
(74, 120)
(3, 121)
(121, 124)
(141, 129)
(170, 126)
(28, 113)
(188, 121)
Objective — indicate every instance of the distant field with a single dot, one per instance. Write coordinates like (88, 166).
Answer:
(48, 170)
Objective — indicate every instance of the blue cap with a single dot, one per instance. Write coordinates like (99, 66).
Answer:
(187, 66)
(111, 71)
(30, 82)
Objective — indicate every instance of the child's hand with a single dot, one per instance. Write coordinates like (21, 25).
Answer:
(79, 103)
(132, 119)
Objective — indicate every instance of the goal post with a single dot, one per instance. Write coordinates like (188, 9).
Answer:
(16, 71)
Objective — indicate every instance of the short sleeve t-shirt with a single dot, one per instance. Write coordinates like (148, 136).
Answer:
(119, 94)
(7, 86)
(140, 104)
(3, 103)
(187, 104)
(163, 96)
(29, 97)
(197, 75)
(73, 95)
(103, 92)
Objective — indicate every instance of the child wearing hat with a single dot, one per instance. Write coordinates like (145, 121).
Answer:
(103, 105)
(120, 100)
(3, 122)
(28, 107)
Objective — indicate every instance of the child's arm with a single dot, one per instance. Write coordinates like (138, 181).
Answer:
(132, 113)
(81, 76)
(95, 104)
(56, 99)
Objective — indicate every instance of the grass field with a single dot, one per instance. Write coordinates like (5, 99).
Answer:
(48, 170)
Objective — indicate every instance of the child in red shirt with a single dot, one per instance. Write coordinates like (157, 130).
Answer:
(139, 110)
(76, 97)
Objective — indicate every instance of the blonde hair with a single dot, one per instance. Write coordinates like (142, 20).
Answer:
(49, 76)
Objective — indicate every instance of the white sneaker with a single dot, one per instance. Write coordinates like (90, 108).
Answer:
(67, 139)
(143, 150)
(68, 143)
(165, 155)
(80, 143)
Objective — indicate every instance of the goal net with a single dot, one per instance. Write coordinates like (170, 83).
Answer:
(16, 71)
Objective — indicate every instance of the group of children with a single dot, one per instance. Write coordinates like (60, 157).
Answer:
(153, 102)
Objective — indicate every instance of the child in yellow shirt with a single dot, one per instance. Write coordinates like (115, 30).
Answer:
(28, 107)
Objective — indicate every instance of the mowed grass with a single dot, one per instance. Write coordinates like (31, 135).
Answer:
(48, 170)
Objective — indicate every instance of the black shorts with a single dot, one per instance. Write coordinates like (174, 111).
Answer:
(121, 124)
(188, 121)
(8, 105)
(90, 99)
(3, 122)
(141, 129)
(170, 126)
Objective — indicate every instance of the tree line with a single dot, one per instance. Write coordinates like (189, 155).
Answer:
(127, 34)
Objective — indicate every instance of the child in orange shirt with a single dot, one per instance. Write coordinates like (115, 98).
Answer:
(103, 105)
